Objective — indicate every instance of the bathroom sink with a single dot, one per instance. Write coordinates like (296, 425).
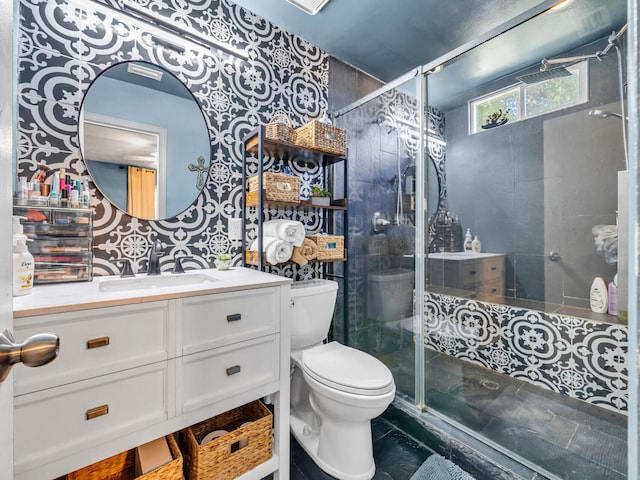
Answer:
(158, 281)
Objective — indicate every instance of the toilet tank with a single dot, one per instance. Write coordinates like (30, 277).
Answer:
(312, 305)
(390, 294)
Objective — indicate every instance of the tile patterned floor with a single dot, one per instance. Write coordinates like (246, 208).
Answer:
(397, 455)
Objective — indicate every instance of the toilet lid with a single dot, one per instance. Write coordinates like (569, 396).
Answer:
(347, 369)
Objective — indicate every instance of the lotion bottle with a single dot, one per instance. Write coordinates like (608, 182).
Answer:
(468, 247)
(476, 245)
(598, 296)
(23, 267)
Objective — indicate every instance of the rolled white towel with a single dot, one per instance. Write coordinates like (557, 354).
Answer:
(287, 230)
(276, 250)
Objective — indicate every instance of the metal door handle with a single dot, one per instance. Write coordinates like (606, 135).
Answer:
(35, 351)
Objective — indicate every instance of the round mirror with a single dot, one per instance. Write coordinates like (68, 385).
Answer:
(144, 140)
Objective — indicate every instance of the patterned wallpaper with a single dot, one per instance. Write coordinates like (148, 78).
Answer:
(65, 44)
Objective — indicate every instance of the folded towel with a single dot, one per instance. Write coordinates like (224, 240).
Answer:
(287, 230)
(275, 249)
(307, 251)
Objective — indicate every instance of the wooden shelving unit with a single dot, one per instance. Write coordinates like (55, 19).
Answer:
(256, 143)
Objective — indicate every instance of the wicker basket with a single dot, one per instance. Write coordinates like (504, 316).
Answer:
(323, 137)
(330, 247)
(246, 446)
(122, 467)
(278, 187)
(280, 131)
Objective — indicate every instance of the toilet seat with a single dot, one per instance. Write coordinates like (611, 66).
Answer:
(347, 369)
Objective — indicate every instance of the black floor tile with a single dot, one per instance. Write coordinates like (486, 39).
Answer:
(397, 455)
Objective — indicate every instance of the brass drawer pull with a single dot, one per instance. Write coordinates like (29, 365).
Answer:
(234, 317)
(233, 370)
(97, 412)
(493, 269)
(97, 342)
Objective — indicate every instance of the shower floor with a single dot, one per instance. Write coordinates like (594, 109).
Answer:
(569, 438)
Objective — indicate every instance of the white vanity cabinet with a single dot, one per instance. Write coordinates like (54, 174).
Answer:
(145, 366)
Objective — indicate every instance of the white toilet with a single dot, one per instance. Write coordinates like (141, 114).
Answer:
(335, 390)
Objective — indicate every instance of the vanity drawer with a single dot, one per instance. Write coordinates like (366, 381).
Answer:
(96, 342)
(52, 423)
(470, 273)
(494, 288)
(214, 320)
(493, 269)
(207, 377)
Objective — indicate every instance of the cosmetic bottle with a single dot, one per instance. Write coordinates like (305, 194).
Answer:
(613, 296)
(64, 198)
(468, 241)
(54, 195)
(23, 266)
(23, 192)
(598, 296)
(74, 198)
(85, 194)
(476, 245)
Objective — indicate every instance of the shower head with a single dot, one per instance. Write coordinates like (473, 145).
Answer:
(603, 114)
(544, 74)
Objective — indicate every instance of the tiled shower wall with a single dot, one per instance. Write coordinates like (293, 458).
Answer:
(65, 44)
(580, 358)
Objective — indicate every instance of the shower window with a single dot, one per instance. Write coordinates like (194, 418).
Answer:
(525, 101)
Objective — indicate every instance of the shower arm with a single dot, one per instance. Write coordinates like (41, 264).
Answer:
(547, 62)
(614, 39)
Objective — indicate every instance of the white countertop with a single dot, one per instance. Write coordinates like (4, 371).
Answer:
(67, 297)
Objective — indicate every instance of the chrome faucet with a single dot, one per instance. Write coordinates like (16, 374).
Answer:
(157, 249)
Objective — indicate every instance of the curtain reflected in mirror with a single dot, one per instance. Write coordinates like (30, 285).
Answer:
(137, 117)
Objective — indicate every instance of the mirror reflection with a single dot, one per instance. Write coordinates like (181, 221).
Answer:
(144, 140)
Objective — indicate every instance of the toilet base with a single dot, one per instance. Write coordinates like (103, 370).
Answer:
(309, 440)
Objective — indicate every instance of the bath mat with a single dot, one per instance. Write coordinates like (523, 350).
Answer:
(437, 467)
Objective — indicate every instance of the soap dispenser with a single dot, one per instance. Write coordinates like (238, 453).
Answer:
(23, 265)
(468, 241)
(476, 245)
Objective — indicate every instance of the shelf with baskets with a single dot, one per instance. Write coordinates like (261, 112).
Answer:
(269, 189)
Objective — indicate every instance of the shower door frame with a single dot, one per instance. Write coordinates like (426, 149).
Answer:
(633, 140)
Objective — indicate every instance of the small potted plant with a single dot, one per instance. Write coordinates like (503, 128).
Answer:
(320, 196)
(496, 119)
(223, 261)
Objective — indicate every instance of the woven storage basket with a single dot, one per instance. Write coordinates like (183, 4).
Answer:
(278, 187)
(330, 247)
(122, 467)
(323, 137)
(280, 131)
(228, 457)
